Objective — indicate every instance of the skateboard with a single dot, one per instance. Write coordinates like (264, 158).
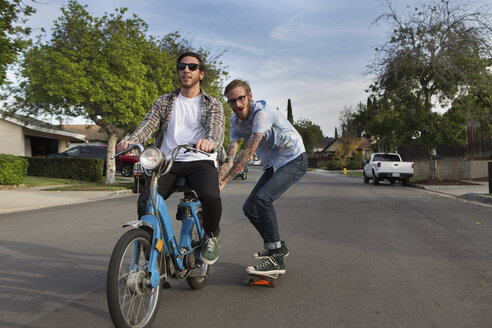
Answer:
(261, 280)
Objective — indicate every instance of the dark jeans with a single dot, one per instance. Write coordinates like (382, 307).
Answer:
(202, 177)
(259, 205)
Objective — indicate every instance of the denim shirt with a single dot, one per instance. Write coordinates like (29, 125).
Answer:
(281, 142)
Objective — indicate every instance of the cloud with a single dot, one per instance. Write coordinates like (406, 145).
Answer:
(288, 31)
(319, 100)
(281, 69)
(235, 45)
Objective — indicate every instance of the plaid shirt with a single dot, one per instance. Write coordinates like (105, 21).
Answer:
(211, 116)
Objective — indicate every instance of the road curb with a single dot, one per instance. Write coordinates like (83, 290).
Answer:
(469, 196)
(121, 192)
(477, 198)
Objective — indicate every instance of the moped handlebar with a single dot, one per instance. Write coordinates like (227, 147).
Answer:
(192, 147)
(174, 153)
(140, 148)
(137, 146)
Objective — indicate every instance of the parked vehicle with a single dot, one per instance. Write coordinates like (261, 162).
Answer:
(387, 166)
(138, 178)
(84, 151)
(244, 172)
(125, 164)
(255, 162)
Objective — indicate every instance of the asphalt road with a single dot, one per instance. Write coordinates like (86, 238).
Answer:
(360, 256)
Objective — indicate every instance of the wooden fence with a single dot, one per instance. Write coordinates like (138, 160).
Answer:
(478, 147)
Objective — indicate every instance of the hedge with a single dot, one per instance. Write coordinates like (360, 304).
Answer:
(13, 169)
(66, 168)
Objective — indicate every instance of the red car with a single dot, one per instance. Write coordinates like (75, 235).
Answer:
(125, 164)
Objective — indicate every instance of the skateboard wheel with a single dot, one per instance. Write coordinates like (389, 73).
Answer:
(251, 282)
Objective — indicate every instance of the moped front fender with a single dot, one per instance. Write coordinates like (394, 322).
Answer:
(137, 224)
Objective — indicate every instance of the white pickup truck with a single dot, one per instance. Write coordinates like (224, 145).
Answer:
(387, 166)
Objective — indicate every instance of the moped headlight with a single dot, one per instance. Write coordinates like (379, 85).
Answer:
(151, 158)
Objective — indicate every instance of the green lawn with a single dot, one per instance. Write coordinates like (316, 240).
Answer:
(75, 185)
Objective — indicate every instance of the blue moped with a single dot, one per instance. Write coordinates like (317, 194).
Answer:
(146, 256)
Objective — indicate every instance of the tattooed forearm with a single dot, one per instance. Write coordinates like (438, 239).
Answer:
(244, 158)
(231, 153)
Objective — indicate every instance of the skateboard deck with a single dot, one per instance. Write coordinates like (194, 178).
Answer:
(260, 280)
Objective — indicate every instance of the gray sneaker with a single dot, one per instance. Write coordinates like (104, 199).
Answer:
(210, 250)
(270, 267)
(264, 254)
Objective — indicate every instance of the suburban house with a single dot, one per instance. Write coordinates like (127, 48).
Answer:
(319, 149)
(25, 136)
(331, 146)
(94, 135)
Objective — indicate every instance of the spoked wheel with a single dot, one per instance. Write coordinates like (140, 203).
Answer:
(132, 301)
(198, 277)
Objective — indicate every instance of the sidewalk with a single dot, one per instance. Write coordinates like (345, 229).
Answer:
(477, 192)
(13, 200)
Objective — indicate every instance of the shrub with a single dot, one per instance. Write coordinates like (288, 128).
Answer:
(67, 168)
(339, 163)
(13, 169)
(355, 162)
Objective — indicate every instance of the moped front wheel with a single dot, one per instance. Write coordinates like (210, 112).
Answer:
(132, 300)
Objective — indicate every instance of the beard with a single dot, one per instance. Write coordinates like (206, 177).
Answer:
(246, 112)
(189, 82)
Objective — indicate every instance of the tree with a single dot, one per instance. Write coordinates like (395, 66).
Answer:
(347, 122)
(290, 117)
(94, 67)
(105, 69)
(336, 133)
(311, 134)
(12, 35)
(476, 105)
(434, 55)
(346, 155)
(383, 121)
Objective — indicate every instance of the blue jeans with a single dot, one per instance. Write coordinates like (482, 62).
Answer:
(259, 205)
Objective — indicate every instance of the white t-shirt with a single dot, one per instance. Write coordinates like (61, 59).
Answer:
(185, 127)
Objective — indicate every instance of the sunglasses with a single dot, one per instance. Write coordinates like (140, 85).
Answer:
(240, 98)
(191, 66)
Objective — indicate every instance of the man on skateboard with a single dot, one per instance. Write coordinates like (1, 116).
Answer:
(281, 151)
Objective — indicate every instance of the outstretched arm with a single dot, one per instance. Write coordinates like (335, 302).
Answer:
(231, 153)
(243, 159)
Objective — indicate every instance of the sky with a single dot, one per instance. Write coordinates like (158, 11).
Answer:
(314, 52)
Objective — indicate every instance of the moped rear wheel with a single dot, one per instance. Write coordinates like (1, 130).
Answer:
(132, 301)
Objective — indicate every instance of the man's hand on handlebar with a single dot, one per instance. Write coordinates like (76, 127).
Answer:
(204, 145)
(123, 145)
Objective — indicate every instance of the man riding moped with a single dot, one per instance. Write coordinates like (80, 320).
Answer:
(188, 115)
